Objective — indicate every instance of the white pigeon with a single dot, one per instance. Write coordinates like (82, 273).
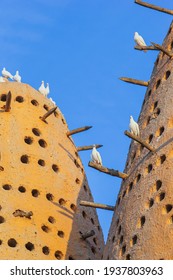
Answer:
(139, 40)
(17, 77)
(95, 156)
(6, 74)
(42, 88)
(2, 80)
(47, 90)
(52, 101)
(134, 127)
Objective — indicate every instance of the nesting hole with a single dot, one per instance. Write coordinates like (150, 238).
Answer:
(29, 246)
(21, 189)
(171, 220)
(19, 99)
(131, 186)
(35, 193)
(155, 105)
(124, 193)
(151, 202)
(134, 239)
(119, 199)
(123, 249)
(7, 187)
(171, 45)
(45, 228)
(93, 250)
(84, 214)
(45, 250)
(158, 83)
(25, 159)
(119, 229)
(73, 207)
(158, 184)
(92, 221)
(142, 221)
(0, 242)
(121, 239)
(41, 162)
(34, 102)
(95, 241)
(3, 97)
(2, 220)
(128, 257)
(77, 181)
(28, 140)
(60, 233)
(70, 257)
(58, 255)
(138, 177)
(150, 138)
(51, 220)
(42, 143)
(162, 159)
(167, 74)
(46, 107)
(36, 131)
(161, 196)
(85, 188)
(12, 242)
(1, 168)
(49, 196)
(160, 131)
(168, 208)
(62, 201)
(149, 168)
(149, 93)
(55, 168)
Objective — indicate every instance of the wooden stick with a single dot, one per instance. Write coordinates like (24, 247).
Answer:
(88, 234)
(50, 112)
(77, 130)
(134, 81)
(159, 47)
(150, 48)
(96, 205)
(84, 148)
(139, 140)
(151, 6)
(8, 102)
(106, 170)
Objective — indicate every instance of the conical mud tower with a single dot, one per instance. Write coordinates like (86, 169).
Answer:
(142, 225)
(42, 182)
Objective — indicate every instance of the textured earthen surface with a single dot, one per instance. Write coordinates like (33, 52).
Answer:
(142, 225)
(40, 171)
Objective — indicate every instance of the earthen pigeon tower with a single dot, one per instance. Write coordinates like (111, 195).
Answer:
(42, 181)
(142, 225)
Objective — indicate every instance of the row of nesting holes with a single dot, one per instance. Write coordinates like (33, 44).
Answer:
(30, 247)
(149, 168)
(34, 102)
(36, 193)
(158, 83)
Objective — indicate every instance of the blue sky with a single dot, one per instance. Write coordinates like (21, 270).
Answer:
(82, 47)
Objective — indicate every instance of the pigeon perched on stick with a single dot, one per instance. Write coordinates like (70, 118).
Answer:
(6, 74)
(17, 77)
(134, 127)
(139, 40)
(95, 156)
